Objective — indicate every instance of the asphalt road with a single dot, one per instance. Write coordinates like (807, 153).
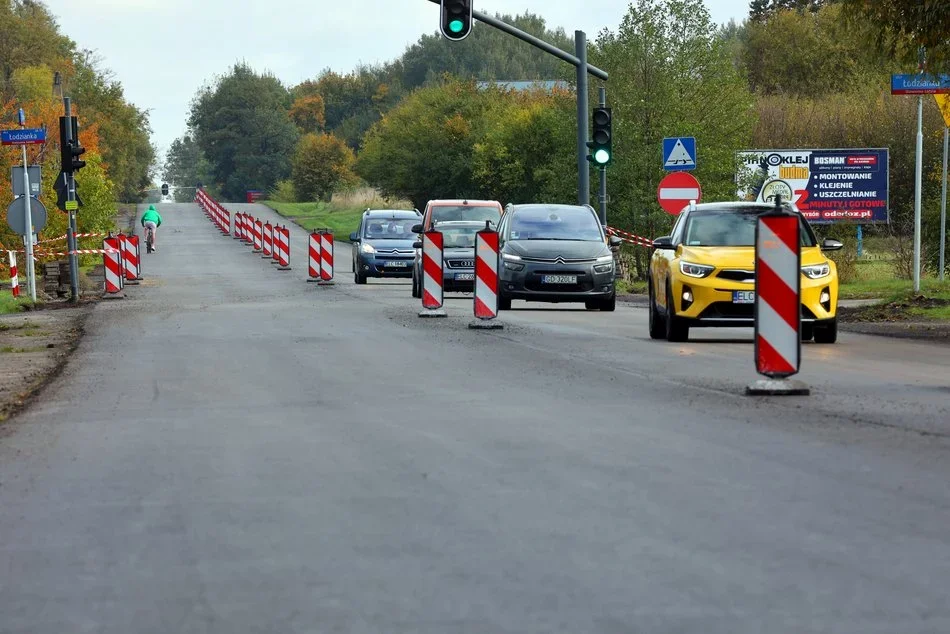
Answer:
(235, 450)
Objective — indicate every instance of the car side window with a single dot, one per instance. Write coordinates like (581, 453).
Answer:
(677, 232)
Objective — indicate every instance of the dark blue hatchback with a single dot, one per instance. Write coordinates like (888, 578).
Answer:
(382, 247)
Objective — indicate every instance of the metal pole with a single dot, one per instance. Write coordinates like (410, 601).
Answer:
(30, 266)
(917, 191)
(71, 232)
(860, 241)
(583, 169)
(943, 202)
(603, 171)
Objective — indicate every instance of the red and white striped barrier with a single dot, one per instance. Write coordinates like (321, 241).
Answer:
(137, 245)
(630, 238)
(486, 277)
(258, 236)
(112, 262)
(275, 256)
(313, 260)
(326, 257)
(130, 263)
(267, 240)
(432, 271)
(238, 223)
(14, 278)
(283, 248)
(778, 271)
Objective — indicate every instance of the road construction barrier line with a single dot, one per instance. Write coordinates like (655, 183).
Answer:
(14, 279)
(267, 240)
(778, 295)
(137, 245)
(486, 274)
(314, 260)
(284, 251)
(112, 261)
(129, 259)
(432, 271)
(326, 256)
(275, 256)
(258, 235)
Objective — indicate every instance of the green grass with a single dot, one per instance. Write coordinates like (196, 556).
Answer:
(892, 289)
(631, 287)
(10, 305)
(342, 221)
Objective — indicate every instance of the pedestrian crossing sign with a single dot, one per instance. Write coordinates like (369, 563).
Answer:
(679, 153)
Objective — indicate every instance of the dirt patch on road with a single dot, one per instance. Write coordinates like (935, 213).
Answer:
(915, 317)
(34, 346)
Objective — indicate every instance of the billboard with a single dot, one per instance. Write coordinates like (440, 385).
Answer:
(827, 186)
(253, 195)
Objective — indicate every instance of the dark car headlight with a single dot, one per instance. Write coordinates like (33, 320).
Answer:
(604, 264)
(512, 262)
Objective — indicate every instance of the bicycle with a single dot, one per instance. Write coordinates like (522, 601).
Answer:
(149, 239)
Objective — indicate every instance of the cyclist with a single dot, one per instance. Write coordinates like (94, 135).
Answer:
(151, 220)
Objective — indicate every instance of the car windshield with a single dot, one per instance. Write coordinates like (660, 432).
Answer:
(390, 228)
(459, 237)
(729, 228)
(447, 213)
(549, 223)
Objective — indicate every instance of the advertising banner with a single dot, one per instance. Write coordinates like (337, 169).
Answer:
(827, 186)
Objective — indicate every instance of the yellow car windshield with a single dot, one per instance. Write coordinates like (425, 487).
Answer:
(728, 228)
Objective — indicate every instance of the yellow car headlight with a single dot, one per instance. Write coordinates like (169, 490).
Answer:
(696, 270)
(817, 271)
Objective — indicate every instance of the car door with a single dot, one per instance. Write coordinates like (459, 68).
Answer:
(661, 262)
(355, 244)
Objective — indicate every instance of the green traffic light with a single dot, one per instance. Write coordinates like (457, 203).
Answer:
(456, 26)
(602, 157)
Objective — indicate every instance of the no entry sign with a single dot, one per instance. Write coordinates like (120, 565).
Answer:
(676, 190)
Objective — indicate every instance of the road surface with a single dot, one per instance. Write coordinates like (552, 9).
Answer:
(233, 450)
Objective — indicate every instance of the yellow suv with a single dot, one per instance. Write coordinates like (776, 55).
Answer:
(704, 274)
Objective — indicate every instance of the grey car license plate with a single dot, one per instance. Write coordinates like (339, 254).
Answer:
(743, 297)
(464, 277)
(559, 279)
(396, 265)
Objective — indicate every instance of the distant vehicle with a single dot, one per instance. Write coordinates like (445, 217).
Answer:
(703, 274)
(452, 210)
(382, 246)
(556, 253)
(458, 257)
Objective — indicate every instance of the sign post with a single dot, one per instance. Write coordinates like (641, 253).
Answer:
(24, 137)
(943, 101)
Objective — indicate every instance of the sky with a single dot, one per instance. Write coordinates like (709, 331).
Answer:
(164, 51)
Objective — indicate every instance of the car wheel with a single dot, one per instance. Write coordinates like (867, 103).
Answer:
(808, 331)
(359, 279)
(827, 332)
(657, 326)
(609, 305)
(676, 330)
(416, 291)
(504, 303)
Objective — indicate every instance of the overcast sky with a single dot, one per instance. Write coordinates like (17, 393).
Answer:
(163, 51)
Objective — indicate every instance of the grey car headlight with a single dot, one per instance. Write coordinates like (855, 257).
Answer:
(367, 248)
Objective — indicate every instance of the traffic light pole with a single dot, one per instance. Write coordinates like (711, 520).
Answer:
(602, 198)
(28, 243)
(71, 232)
(579, 61)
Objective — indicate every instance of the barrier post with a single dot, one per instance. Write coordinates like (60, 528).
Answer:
(267, 240)
(238, 223)
(485, 302)
(326, 258)
(284, 250)
(112, 263)
(778, 312)
(14, 279)
(137, 245)
(432, 272)
(275, 256)
(129, 260)
(313, 261)
(258, 236)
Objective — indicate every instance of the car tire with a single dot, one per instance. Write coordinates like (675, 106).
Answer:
(592, 304)
(808, 332)
(504, 303)
(676, 330)
(657, 325)
(416, 291)
(608, 305)
(827, 332)
(359, 279)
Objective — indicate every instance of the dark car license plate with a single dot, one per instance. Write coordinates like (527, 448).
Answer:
(464, 277)
(396, 265)
(559, 279)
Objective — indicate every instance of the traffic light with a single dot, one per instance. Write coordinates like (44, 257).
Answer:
(164, 189)
(457, 19)
(601, 150)
(70, 150)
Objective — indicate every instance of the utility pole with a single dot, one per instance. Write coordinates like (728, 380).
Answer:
(602, 198)
(28, 239)
(583, 167)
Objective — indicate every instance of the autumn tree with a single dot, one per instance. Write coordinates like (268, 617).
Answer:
(322, 165)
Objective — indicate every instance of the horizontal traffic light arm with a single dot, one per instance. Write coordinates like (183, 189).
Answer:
(533, 41)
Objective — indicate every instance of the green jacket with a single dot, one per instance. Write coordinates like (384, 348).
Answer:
(151, 215)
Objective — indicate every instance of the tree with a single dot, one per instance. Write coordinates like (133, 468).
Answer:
(322, 165)
(422, 148)
(242, 127)
(905, 25)
(670, 75)
(307, 113)
(185, 167)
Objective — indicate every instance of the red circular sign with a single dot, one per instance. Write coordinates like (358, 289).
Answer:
(676, 190)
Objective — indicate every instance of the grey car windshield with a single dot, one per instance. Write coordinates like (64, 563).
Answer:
(458, 237)
(729, 228)
(555, 224)
(390, 228)
(447, 213)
